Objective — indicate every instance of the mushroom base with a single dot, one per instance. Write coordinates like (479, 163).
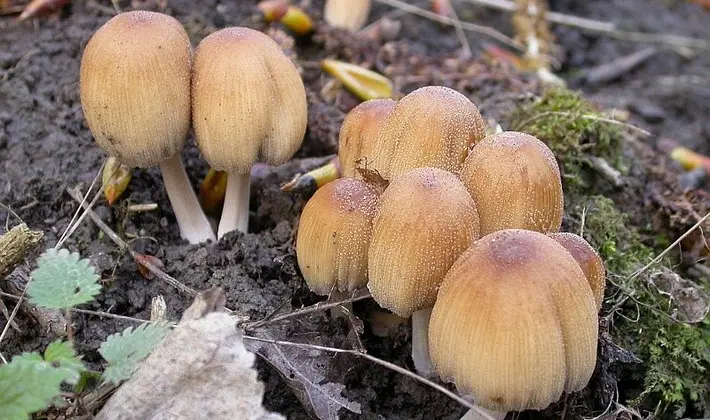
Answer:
(420, 343)
(480, 413)
(235, 213)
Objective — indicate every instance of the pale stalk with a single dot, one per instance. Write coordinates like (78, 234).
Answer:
(480, 413)
(420, 343)
(335, 296)
(193, 224)
(235, 213)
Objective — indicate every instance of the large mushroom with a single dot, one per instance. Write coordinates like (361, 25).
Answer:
(515, 180)
(358, 135)
(514, 324)
(425, 219)
(135, 94)
(248, 105)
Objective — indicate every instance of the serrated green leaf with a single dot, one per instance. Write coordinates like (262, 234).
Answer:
(62, 280)
(124, 351)
(63, 356)
(28, 384)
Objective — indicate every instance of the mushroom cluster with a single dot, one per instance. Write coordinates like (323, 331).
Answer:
(142, 88)
(460, 231)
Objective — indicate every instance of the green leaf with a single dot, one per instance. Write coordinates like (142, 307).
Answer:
(62, 280)
(124, 351)
(62, 355)
(28, 384)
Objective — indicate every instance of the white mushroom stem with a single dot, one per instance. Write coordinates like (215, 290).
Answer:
(480, 413)
(193, 224)
(420, 342)
(235, 213)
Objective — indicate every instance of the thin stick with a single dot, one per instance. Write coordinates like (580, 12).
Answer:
(12, 316)
(607, 28)
(460, 34)
(485, 30)
(124, 246)
(380, 362)
(584, 116)
(321, 306)
(76, 213)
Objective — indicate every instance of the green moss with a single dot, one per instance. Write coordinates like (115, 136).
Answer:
(675, 368)
(572, 128)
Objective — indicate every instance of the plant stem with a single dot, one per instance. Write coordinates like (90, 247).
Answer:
(194, 226)
(420, 342)
(235, 214)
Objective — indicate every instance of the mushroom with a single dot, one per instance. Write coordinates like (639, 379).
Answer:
(515, 181)
(425, 219)
(135, 94)
(589, 261)
(358, 133)
(433, 126)
(514, 324)
(248, 104)
(334, 236)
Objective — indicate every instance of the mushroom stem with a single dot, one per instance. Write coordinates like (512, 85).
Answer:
(235, 214)
(480, 413)
(194, 226)
(338, 295)
(420, 342)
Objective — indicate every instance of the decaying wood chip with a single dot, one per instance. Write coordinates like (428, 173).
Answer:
(14, 245)
(201, 370)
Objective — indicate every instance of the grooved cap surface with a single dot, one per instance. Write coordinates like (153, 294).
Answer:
(334, 236)
(358, 134)
(425, 219)
(514, 324)
(135, 87)
(433, 126)
(589, 261)
(249, 102)
(515, 181)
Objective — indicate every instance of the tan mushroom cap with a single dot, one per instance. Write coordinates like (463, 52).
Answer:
(589, 261)
(249, 102)
(356, 144)
(515, 181)
(433, 126)
(514, 324)
(425, 219)
(135, 87)
(334, 236)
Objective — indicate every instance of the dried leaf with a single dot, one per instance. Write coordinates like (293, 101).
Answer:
(201, 370)
(363, 83)
(143, 259)
(213, 189)
(115, 178)
(304, 372)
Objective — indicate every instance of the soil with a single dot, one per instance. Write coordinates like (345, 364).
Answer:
(46, 147)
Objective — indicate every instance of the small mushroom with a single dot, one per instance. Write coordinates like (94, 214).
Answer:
(356, 144)
(248, 105)
(433, 126)
(425, 219)
(515, 181)
(135, 94)
(589, 261)
(514, 324)
(334, 236)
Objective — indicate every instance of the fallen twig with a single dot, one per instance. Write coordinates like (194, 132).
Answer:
(14, 245)
(380, 362)
(124, 246)
(485, 30)
(9, 321)
(603, 168)
(584, 116)
(618, 67)
(50, 321)
(321, 306)
(606, 28)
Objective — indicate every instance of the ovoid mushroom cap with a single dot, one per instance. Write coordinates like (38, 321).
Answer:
(425, 219)
(515, 322)
(135, 87)
(358, 134)
(334, 236)
(515, 181)
(433, 126)
(589, 261)
(248, 100)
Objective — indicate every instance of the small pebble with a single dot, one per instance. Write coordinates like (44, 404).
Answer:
(648, 111)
